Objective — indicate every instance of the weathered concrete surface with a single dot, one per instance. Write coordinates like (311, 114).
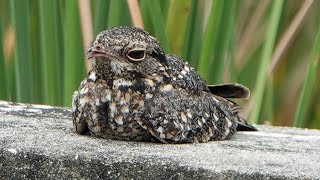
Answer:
(39, 143)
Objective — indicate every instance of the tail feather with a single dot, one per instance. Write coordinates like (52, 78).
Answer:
(243, 125)
(230, 90)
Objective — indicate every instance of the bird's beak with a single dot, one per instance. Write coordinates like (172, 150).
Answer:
(96, 51)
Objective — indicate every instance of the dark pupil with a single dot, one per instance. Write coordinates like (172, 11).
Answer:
(138, 54)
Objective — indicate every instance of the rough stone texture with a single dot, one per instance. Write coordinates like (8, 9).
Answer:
(37, 142)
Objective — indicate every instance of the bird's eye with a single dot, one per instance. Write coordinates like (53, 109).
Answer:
(136, 54)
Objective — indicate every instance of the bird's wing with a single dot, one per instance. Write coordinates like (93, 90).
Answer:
(187, 78)
(230, 90)
(178, 116)
(184, 76)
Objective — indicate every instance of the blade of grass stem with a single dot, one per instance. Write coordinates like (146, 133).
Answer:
(115, 12)
(49, 39)
(135, 13)
(289, 34)
(73, 63)
(176, 27)
(314, 123)
(193, 35)
(249, 35)
(8, 45)
(210, 37)
(265, 59)
(60, 51)
(125, 19)
(158, 23)
(37, 91)
(20, 19)
(232, 64)
(3, 76)
(164, 6)
(86, 27)
(187, 44)
(100, 16)
(308, 84)
(223, 40)
(11, 80)
(147, 22)
(269, 100)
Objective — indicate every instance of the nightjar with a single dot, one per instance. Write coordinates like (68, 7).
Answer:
(136, 92)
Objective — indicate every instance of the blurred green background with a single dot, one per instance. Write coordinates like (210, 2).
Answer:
(271, 46)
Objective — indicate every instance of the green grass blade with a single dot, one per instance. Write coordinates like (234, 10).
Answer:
(147, 22)
(210, 35)
(73, 61)
(223, 40)
(23, 71)
(126, 16)
(232, 64)
(190, 28)
(193, 35)
(176, 27)
(308, 84)
(314, 122)
(38, 90)
(49, 41)
(10, 80)
(59, 45)
(269, 103)
(158, 23)
(164, 5)
(275, 15)
(3, 76)
(115, 12)
(100, 15)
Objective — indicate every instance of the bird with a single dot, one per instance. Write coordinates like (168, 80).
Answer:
(136, 92)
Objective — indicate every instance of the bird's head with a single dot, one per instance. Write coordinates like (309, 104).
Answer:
(125, 50)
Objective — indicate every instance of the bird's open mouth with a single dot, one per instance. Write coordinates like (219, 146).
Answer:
(96, 51)
(91, 54)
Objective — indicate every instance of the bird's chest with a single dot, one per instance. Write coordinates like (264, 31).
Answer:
(126, 105)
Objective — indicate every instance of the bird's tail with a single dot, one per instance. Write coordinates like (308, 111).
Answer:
(243, 125)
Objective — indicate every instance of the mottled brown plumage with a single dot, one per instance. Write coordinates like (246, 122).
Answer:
(136, 92)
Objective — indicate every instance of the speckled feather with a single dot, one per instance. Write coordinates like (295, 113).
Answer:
(153, 97)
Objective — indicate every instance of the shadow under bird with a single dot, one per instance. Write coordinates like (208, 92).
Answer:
(136, 92)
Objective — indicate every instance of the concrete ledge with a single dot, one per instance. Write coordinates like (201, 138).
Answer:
(37, 142)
